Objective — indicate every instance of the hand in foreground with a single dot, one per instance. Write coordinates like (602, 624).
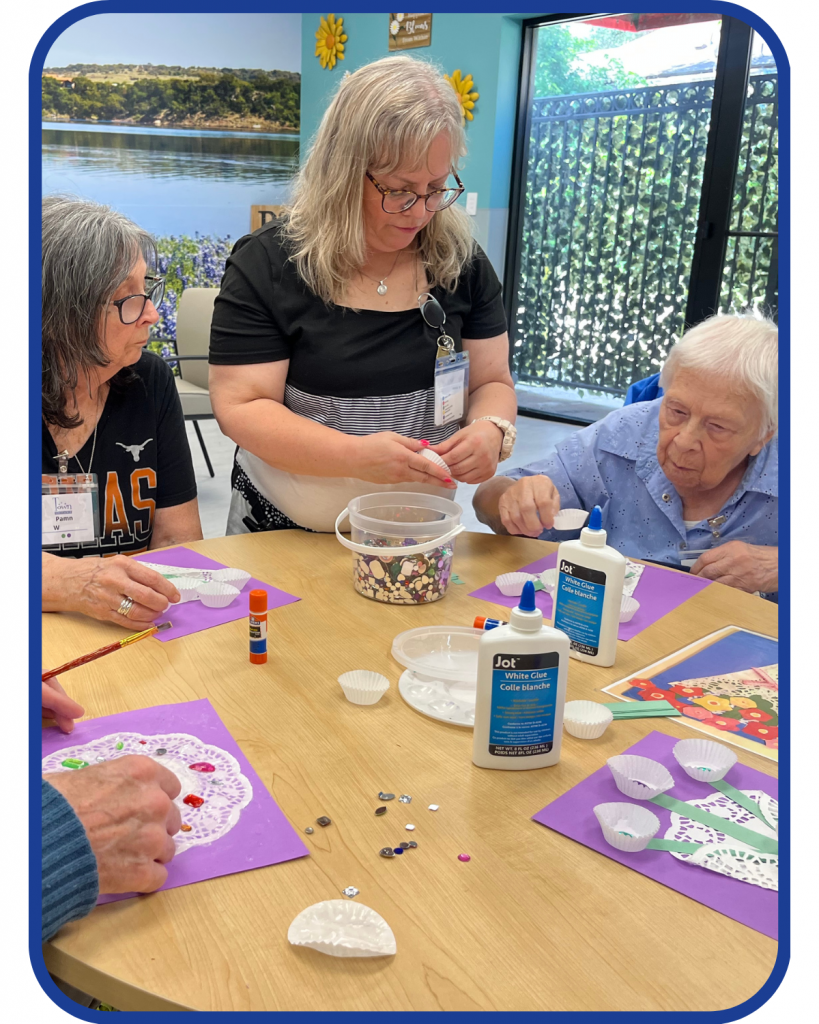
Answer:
(57, 705)
(472, 454)
(96, 587)
(529, 506)
(389, 458)
(127, 810)
(749, 567)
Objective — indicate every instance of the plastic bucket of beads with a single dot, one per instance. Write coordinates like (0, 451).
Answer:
(402, 544)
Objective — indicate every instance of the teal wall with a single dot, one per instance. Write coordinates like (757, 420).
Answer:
(487, 46)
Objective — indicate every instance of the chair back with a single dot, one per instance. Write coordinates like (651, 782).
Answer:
(193, 317)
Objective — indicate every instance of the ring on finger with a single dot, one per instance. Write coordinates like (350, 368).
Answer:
(125, 606)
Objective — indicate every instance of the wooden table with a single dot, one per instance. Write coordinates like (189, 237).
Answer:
(533, 922)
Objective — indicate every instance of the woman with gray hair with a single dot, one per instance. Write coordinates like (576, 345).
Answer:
(690, 478)
(110, 413)
(323, 365)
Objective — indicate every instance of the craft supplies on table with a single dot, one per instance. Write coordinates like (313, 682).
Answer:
(188, 617)
(403, 544)
(342, 928)
(521, 689)
(714, 883)
(658, 591)
(725, 686)
(230, 821)
(441, 671)
(117, 645)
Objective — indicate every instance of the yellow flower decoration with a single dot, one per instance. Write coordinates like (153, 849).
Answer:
(330, 40)
(712, 703)
(463, 87)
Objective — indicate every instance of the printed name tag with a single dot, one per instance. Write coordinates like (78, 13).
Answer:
(68, 518)
(451, 388)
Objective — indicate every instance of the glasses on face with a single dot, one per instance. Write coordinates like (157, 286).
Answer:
(393, 201)
(131, 308)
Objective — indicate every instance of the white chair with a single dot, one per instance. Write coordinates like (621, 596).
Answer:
(193, 317)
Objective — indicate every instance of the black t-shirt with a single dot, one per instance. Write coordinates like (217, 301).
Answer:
(142, 460)
(357, 371)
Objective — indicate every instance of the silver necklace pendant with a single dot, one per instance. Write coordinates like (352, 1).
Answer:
(382, 288)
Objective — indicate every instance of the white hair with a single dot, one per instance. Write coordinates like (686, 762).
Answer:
(742, 349)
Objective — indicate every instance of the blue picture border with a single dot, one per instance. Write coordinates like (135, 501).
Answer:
(35, 421)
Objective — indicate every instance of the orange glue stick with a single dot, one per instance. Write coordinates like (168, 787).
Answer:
(258, 627)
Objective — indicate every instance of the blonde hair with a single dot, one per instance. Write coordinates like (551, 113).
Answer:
(382, 117)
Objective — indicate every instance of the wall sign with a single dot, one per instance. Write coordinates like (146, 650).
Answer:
(410, 30)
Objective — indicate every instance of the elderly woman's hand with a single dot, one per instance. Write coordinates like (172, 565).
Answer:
(749, 567)
(97, 587)
(390, 458)
(529, 506)
(57, 705)
(472, 454)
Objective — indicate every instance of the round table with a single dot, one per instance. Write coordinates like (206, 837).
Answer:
(534, 921)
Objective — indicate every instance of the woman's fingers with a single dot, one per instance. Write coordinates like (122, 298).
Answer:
(145, 596)
(422, 465)
(59, 703)
(139, 617)
(151, 580)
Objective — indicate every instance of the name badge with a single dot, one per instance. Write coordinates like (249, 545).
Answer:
(451, 388)
(70, 509)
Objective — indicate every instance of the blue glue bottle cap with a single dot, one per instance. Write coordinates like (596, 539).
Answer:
(596, 519)
(593, 535)
(527, 616)
(527, 598)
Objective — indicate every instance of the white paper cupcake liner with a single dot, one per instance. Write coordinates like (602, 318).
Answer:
(217, 595)
(434, 457)
(510, 584)
(235, 577)
(586, 719)
(639, 777)
(188, 589)
(629, 607)
(627, 827)
(363, 687)
(704, 760)
(570, 518)
(549, 579)
(342, 928)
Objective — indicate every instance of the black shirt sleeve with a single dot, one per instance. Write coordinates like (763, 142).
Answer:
(175, 479)
(244, 328)
(486, 317)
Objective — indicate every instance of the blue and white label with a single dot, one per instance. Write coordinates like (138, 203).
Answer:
(258, 635)
(524, 688)
(579, 605)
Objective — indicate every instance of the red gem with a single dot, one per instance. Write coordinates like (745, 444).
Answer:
(143, 742)
(193, 801)
(464, 857)
(201, 766)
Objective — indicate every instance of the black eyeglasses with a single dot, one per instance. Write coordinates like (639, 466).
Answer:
(131, 308)
(393, 201)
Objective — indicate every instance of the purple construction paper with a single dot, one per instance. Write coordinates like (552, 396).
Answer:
(261, 837)
(573, 815)
(659, 592)
(193, 616)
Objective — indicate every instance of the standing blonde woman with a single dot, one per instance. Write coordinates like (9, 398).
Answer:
(322, 364)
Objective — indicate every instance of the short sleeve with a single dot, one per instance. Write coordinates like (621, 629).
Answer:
(175, 479)
(486, 317)
(244, 328)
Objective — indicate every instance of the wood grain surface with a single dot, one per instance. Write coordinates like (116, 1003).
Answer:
(533, 922)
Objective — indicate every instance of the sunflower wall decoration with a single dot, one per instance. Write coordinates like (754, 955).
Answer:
(463, 86)
(330, 40)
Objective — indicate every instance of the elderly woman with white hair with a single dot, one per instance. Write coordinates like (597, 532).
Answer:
(322, 362)
(693, 472)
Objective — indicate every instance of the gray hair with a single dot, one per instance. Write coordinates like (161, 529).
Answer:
(383, 116)
(88, 251)
(742, 349)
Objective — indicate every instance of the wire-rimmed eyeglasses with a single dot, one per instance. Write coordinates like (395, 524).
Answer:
(399, 201)
(131, 308)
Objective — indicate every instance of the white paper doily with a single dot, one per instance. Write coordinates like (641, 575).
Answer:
(729, 857)
(224, 790)
(448, 701)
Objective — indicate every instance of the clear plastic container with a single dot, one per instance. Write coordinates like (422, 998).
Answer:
(403, 544)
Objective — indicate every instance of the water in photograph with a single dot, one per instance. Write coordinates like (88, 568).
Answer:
(171, 181)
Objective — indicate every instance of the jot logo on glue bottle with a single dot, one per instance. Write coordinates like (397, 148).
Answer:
(258, 627)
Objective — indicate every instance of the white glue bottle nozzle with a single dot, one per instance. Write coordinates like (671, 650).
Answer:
(593, 535)
(527, 616)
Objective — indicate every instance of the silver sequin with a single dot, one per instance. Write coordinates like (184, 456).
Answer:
(387, 852)
(309, 830)
(386, 796)
(350, 892)
(404, 799)
(434, 807)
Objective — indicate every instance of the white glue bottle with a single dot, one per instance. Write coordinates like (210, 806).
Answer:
(589, 592)
(522, 669)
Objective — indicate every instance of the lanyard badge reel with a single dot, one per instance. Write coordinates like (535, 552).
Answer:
(451, 367)
(71, 514)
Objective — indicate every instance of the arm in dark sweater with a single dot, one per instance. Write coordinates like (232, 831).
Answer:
(70, 882)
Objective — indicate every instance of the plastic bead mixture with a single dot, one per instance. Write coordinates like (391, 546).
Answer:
(350, 892)
(464, 857)
(192, 800)
(415, 579)
(324, 821)
(404, 799)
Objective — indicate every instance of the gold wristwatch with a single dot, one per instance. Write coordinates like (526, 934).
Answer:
(509, 434)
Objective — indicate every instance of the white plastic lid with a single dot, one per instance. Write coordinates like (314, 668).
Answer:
(441, 652)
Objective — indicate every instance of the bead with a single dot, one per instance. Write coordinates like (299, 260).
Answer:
(398, 849)
(161, 750)
(193, 801)
(410, 828)
(74, 762)
(412, 844)
(309, 830)
(202, 766)
(387, 852)
(120, 744)
(324, 821)
(380, 810)
(404, 799)
(386, 796)
(143, 742)
(350, 892)
(100, 760)
(434, 807)
(464, 857)
(185, 828)
(404, 846)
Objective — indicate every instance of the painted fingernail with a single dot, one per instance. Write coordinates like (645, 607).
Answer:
(425, 442)
(447, 480)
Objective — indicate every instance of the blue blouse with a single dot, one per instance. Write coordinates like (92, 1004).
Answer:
(613, 464)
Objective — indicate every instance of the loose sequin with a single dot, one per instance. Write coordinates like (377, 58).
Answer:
(398, 849)
(160, 751)
(404, 799)
(309, 830)
(434, 807)
(410, 828)
(324, 821)
(120, 744)
(380, 810)
(185, 828)
(387, 852)
(202, 766)
(386, 796)
(192, 800)
(412, 844)
(464, 857)
(350, 892)
(404, 846)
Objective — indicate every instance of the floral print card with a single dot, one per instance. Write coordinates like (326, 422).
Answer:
(725, 685)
